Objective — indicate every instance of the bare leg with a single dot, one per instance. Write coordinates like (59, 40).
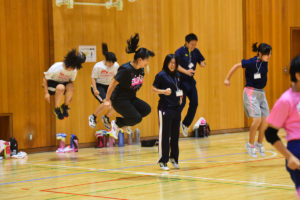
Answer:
(262, 129)
(59, 93)
(110, 112)
(253, 128)
(69, 93)
(99, 109)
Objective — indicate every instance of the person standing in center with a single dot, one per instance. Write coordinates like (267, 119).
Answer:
(188, 57)
(167, 85)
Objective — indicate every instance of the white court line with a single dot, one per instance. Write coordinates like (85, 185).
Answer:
(274, 154)
(166, 174)
(205, 178)
(72, 167)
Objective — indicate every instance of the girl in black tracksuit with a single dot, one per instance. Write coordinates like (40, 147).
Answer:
(167, 85)
(122, 90)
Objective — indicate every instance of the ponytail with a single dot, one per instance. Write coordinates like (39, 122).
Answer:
(132, 45)
(109, 56)
(263, 48)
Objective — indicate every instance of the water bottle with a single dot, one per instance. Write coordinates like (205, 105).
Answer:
(129, 139)
(121, 139)
(137, 136)
(196, 133)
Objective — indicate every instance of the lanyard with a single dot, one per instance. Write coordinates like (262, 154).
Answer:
(259, 65)
(190, 56)
(173, 81)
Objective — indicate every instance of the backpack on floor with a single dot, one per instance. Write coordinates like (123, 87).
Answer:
(204, 130)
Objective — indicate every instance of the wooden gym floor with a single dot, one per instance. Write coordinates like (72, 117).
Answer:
(217, 167)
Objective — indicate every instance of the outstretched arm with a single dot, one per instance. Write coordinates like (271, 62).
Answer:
(231, 71)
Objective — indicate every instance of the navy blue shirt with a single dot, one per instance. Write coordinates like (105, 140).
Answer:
(184, 59)
(130, 81)
(163, 81)
(252, 66)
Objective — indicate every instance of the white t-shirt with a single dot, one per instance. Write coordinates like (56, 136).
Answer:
(58, 73)
(104, 74)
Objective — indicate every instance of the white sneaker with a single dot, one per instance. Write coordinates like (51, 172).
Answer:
(92, 121)
(260, 149)
(105, 121)
(251, 150)
(114, 129)
(174, 163)
(128, 130)
(184, 130)
(164, 166)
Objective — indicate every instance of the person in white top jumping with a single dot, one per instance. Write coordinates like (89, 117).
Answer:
(58, 81)
(102, 74)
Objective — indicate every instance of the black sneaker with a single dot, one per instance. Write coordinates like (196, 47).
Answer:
(106, 121)
(164, 166)
(58, 113)
(65, 109)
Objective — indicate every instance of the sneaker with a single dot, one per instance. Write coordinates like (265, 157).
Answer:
(65, 109)
(114, 129)
(60, 150)
(174, 163)
(92, 121)
(68, 149)
(164, 166)
(128, 130)
(100, 133)
(105, 121)
(184, 129)
(260, 149)
(58, 113)
(251, 150)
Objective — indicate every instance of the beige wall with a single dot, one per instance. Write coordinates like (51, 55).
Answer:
(162, 26)
(226, 30)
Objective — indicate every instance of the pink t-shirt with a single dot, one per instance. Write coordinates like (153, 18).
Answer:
(286, 114)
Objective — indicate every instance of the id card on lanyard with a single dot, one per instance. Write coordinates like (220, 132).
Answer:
(191, 65)
(179, 92)
(257, 75)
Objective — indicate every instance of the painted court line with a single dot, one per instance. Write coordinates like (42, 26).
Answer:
(120, 188)
(88, 195)
(103, 170)
(205, 178)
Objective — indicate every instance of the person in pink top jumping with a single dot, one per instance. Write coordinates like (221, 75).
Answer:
(286, 114)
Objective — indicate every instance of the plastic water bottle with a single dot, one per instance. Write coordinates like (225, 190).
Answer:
(121, 139)
(129, 139)
(137, 136)
(196, 133)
